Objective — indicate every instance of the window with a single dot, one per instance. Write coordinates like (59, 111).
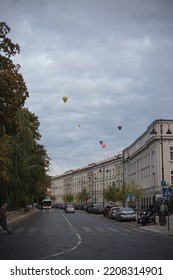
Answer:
(171, 177)
(171, 153)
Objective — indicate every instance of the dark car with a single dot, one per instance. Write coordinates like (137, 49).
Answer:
(107, 209)
(96, 209)
(79, 207)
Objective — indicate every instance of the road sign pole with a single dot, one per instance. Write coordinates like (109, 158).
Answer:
(168, 212)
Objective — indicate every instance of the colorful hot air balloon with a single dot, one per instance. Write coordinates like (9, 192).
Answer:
(119, 127)
(103, 145)
(65, 98)
(101, 142)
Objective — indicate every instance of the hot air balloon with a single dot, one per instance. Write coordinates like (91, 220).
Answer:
(78, 125)
(119, 127)
(103, 145)
(65, 98)
(101, 142)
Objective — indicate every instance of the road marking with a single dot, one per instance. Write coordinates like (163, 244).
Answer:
(87, 229)
(100, 229)
(32, 230)
(107, 229)
(19, 230)
(137, 229)
(114, 230)
(126, 230)
(68, 250)
(67, 220)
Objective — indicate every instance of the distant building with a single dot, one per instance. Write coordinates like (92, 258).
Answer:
(148, 161)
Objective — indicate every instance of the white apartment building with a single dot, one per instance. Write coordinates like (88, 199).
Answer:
(148, 161)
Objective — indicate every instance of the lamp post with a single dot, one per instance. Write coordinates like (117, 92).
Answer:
(123, 182)
(121, 158)
(91, 182)
(103, 181)
(82, 182)
(154, 132)
(95, 198)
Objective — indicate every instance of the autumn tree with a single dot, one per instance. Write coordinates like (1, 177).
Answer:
(23, 161)
(133, 188)
(112, 193)
(83, 196)
(13, 91)
(68, 198)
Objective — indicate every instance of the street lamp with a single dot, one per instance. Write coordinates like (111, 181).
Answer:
(91, 181)
(122, 158)
(95, 198)
(123, 182)
(82, 182)
(103, 182)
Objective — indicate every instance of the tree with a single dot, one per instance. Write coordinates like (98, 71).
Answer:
(112, 193)
(83, 196)
(68, 198)
(134, 190)
(13, 91)
(23, 161)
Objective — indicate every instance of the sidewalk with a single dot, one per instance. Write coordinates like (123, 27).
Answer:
(14, 216)
(166, 230)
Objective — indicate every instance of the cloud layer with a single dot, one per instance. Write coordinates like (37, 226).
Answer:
(113, 59)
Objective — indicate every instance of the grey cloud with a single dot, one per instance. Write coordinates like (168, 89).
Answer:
(113, 59)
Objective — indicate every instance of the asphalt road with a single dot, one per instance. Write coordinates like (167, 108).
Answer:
(81, 236)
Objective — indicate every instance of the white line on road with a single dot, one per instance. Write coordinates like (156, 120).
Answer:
(68, 250)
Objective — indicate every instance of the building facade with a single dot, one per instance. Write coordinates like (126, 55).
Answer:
(148, 161)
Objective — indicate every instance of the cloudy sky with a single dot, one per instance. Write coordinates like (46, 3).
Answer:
(112, 58)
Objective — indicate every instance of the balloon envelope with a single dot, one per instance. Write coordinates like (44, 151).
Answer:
(103, 145)
(101, 142)
(119, 127)
(65, 98)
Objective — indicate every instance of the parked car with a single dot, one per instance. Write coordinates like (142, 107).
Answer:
(95, 209)
(87, 206)
(69, 208)
(125, 213)
(79, 207)
(113, 212)
(107, 209)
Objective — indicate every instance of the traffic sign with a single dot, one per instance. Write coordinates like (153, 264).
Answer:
(167, 192)
(128, 196)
